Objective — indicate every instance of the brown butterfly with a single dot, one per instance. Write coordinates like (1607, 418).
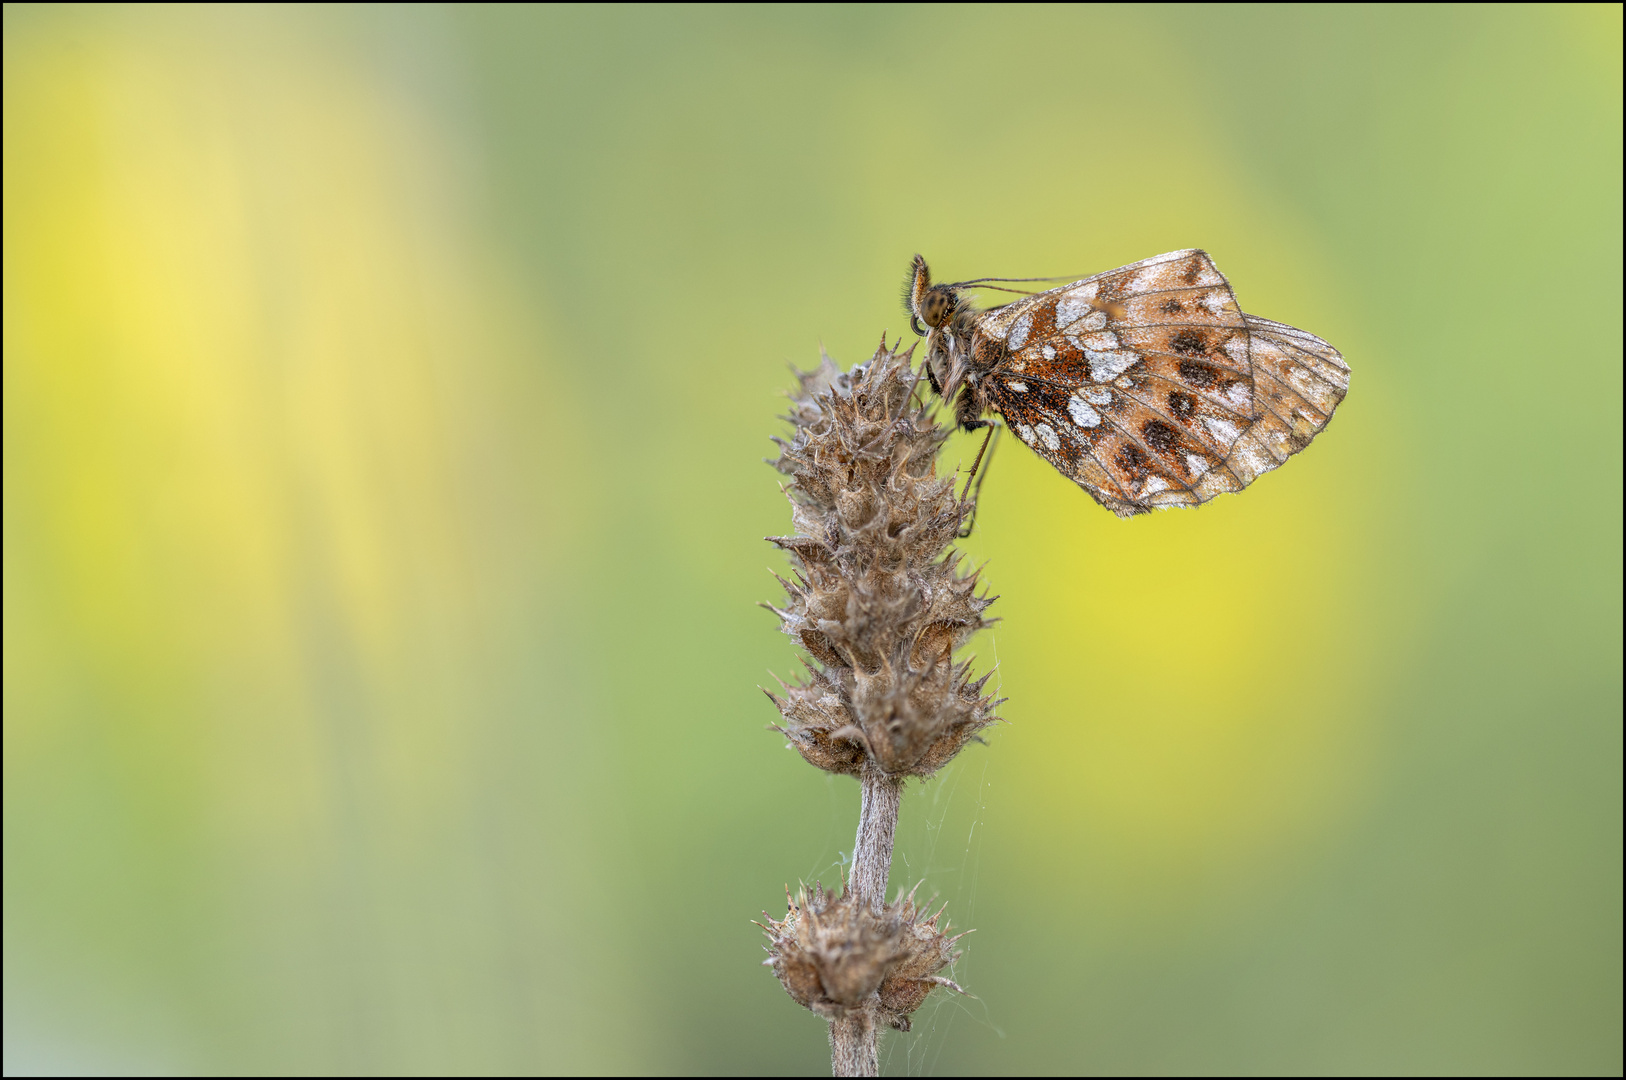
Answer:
(1146, 385)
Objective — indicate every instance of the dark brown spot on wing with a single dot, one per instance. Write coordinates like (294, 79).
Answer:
(1182, 405)
(1171, 306)
(1189, 343)
(1160, 436)
(1202, 376)
(1132, 460)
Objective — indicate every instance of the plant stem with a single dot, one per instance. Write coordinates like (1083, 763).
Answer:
(872, 851)
(852, 1045)
(853, 1038)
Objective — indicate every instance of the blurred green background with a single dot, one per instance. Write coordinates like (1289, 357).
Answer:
(386, 393)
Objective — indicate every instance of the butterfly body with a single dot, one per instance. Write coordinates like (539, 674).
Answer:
(1146, 385)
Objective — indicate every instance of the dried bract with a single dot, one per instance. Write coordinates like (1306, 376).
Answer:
(877, 597)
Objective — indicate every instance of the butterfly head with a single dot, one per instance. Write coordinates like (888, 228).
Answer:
(946, 318)
(931, 304)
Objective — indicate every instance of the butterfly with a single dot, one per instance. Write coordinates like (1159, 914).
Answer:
(1146, 385)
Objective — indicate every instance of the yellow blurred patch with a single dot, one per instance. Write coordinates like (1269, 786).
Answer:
(1192, 699)
(272, 487)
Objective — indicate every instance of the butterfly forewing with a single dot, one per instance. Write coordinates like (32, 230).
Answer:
(1148, 385)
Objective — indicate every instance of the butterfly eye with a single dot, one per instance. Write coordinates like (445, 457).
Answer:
(935, 306)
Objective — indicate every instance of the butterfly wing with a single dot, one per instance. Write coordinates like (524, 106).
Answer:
(1149, 387)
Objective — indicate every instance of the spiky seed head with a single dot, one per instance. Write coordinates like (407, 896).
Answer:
(833, 955)
(881, 601)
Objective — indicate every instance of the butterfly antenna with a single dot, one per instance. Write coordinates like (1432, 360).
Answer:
(1001, 288)
(985, 280)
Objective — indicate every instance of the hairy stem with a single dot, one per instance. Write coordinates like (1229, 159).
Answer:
(872, 851)
(852, 1045)
(853, 1038)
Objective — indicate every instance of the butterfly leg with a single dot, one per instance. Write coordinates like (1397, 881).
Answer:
(974, 475)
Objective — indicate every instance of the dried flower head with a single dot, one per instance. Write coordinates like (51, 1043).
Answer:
(877, 600)
(929, 949)
(835, 955)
